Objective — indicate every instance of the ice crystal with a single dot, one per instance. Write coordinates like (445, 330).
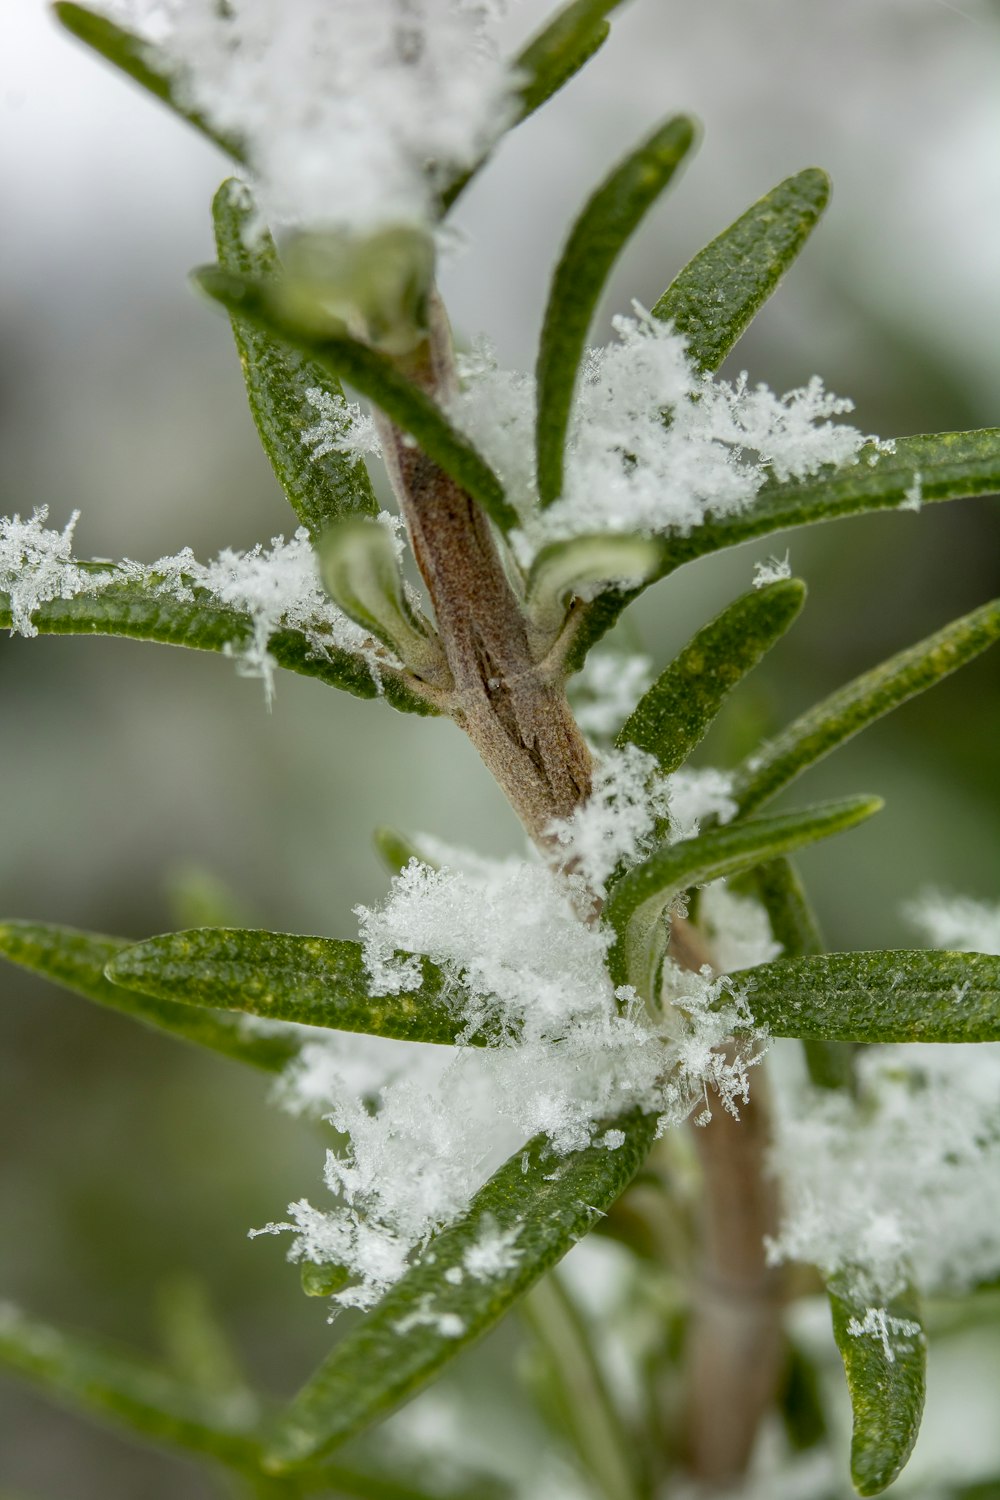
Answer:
(892, 1333)
(629, 801)
(36, 566)
(349, 115)
(771, 571)
(606, 691)
(342, 427)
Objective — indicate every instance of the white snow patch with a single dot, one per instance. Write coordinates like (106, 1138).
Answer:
(958, 923)
(607, 689)
(892, 1333)
(494, 1252)
(351, 115)
(342, 427)
(771, 571)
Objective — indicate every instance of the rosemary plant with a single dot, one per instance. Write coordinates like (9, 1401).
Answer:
(595, 1017)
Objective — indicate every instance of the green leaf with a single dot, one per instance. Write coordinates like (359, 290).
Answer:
(794, 926)
(717, 294)
(560, 50)
(639, 900)
(595, 241)
(674, 715)
(284, 977)
(860, 703)
(361, 573)
(951, 466)
(77, 960)
(143, 62)
(371, 373)
(320, 489)
(884, 1350)
(142, 613)
(910, 995)
(544, 1203)
(563, 568)
(396, 850)
(129, 1392)
(544, 65)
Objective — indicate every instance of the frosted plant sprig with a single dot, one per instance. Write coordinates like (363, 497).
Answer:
(503, 1043)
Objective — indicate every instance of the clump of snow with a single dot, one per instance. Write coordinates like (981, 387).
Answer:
(904, 1179)
(892, 1333)
(351, 115)
(342, 427)
(771, 571)
(959, 923)
(448, 1324)
(36, 566)
(606, 691)
(277, 587)
(630, 470)
(567, 1051)
(617, 824)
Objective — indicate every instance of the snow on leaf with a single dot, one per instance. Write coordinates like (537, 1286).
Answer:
(350, 116)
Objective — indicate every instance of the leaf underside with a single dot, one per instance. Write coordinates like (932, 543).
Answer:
(549, 1201)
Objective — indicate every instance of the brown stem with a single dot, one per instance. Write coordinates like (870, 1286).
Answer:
(734, 1345)
(514, 711)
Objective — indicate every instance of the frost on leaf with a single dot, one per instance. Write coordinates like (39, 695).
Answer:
(892, 1333)
(350, 115)
(565, 1052)
(278, 587)
(607, 689)
(771, 571)
(341, 427)
(653, 446)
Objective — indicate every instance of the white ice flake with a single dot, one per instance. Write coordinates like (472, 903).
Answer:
(771, 571)
(37, 566)
(342, 427)
(493, 1252)
(350, 115)
(629, 801)
(607, 689)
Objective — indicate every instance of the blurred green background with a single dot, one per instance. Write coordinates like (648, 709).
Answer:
(126, 1160)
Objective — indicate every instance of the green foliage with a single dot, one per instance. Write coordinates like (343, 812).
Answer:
(321, 489)
(885, 1365)
(375, 375)
(642, 896)
(297, 331)
(860, 703)
(543, 1203)
(594, 244)
(78, 960)
(718, 293)
(144, 614)
(673, 717)
(311, 980)
(906, 996)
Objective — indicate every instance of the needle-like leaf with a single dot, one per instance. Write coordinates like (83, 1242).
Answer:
(77, 961)
(594, 244)
(540, 1205)
(884, 1350)
(910, 995)
(676, 712)
(284, 977)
